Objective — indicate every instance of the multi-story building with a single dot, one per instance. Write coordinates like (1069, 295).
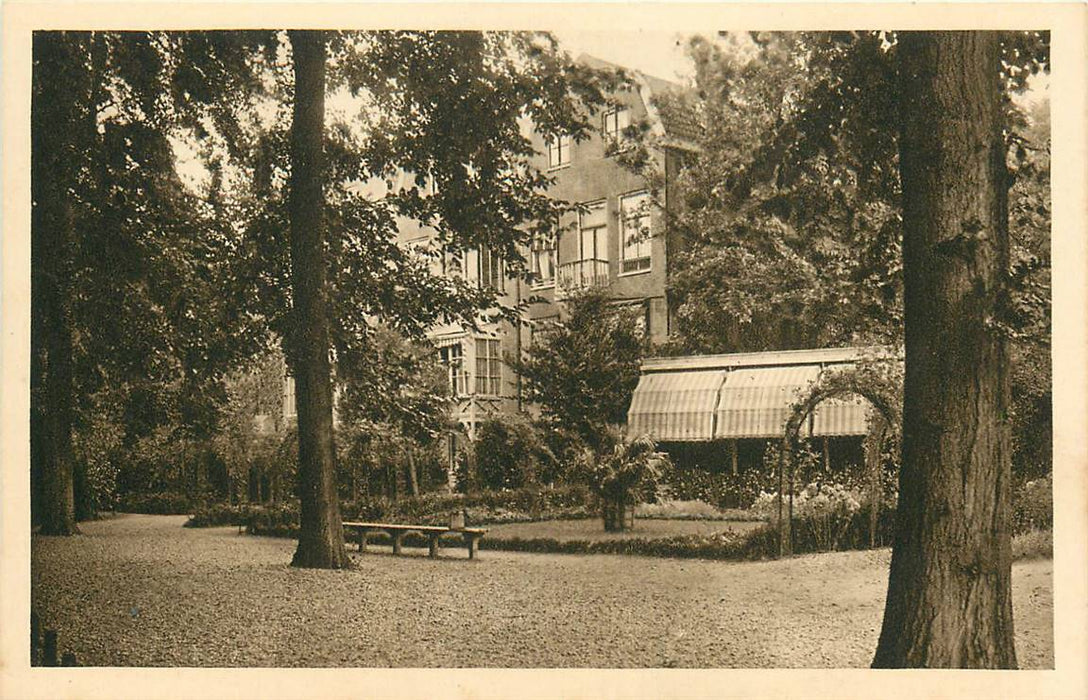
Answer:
(618, 242)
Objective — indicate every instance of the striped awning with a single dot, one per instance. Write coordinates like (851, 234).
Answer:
(847, 416)
(756, 401)
(675, 405)
(444, 341)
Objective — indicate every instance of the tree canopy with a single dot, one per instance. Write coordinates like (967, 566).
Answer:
(582, 371)
(792, 221)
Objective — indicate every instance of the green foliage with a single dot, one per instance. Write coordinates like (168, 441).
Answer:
(156, 503)
(510, 453)
(521, 505)
(726, 546)
(1034, 544)
(665, 508)
(629, 470)
(791, 222)
(626, 475)
(401, 385)
(1028, 306)
(720, 489)
(219, 514)
(184, 309)
(1033, 506)
(97, 447)
(583, 371)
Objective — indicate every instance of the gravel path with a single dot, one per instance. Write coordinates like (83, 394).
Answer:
(143, 591)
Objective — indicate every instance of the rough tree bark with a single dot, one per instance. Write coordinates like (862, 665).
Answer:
(59, 79)
(949, 602)
(321, 536)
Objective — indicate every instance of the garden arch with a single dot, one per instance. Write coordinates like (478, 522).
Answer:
(875, 383)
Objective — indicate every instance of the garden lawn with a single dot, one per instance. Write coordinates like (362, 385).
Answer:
(592, 529)
(144, 591)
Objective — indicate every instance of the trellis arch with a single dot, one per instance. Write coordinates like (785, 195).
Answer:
(880, 384)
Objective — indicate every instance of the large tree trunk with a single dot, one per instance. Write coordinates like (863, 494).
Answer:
(59, 78)
(321, 536)
(949, 601)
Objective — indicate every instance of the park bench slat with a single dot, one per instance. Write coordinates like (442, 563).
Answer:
(471, 535)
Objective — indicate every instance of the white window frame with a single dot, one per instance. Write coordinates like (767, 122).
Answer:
(611, 123)
(599, 232)
(490, 273)
(456, 373)
(488, 379)
(559, 146)
(542, 258)
(636, 264)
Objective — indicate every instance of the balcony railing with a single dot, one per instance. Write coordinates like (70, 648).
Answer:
(580, 274)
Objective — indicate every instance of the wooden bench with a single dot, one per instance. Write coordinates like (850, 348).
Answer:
(471, 535)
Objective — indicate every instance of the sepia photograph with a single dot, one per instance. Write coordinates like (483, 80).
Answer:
(529, 343)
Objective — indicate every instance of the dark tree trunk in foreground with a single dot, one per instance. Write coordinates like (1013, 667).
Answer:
(59, 81)
(949, 602)
(321, 537)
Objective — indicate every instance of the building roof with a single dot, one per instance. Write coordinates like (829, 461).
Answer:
(773, 358)
(666, 101)
(746, 395)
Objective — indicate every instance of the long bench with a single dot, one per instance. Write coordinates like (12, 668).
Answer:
(471, 535)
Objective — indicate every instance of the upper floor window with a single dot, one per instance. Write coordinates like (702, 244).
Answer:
(593, 232)
(635, 232)
(558, 150)
(615, 122)
(542, 261)
(489, 270)
(488, 367)
(453, 360)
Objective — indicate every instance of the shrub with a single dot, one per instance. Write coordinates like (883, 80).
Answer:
(669, 509)
(1036, 544)
(156, 503)
(719, 489)
(489, 507)
(829, 517)
(510, 453)
(1033, 506)
(219, 514)
(734, 546)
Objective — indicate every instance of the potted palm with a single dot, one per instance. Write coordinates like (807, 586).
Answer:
(620, 477)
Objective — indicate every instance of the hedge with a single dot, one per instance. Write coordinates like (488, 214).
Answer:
(520, 505)
(156, 503)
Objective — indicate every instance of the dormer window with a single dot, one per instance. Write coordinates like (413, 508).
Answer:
(615, 121)
(558, 150)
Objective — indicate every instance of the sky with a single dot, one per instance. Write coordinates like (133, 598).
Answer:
(662, 55)
(657, 53)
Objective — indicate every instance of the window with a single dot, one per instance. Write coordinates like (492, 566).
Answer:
(453, 360)
(489, 270)
(635, 232)
(615, 121)
(593, 232)
(488, 367)
(542, 261)
(558, 150)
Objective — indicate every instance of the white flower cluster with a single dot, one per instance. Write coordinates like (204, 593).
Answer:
(815, 500)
